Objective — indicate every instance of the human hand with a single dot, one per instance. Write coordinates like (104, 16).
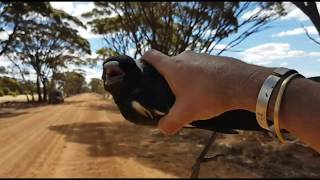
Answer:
(205, 86)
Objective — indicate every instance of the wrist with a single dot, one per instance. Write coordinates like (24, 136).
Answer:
(250, 87)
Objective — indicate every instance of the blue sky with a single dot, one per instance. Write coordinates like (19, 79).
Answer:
(285, 44)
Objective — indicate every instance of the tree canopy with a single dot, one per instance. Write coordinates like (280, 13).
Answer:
(172, 27)
(44, 39)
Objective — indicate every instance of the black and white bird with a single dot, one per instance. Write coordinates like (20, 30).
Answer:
(143, 96)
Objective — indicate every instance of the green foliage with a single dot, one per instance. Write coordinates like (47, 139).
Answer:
(102, 53)
(12, 15)
(96, 86)
(73, 83)
(3, 70)
(1, 92)
(6, 91)
(14, 94)
(172, 27)
(10, 85)
(44, 38)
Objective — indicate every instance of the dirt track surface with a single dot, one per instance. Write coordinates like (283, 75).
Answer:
(87, 137)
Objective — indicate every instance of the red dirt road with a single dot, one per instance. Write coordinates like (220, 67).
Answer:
(87, 137)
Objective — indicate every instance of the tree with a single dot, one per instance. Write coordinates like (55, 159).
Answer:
(96, 86)
(102, 54)
(73, 83)
(172, 27)
(310, 9)
(26, 87)
(47, 43)
(11, 17)
(3, 70)
(10, 85)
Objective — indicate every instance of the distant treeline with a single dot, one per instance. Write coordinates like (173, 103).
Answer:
(13, 87)
(70, 83)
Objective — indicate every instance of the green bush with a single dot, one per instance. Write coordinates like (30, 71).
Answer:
(1, 92)
(6, 91)
(14, 94)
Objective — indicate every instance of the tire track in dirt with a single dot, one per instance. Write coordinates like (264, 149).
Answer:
(54, 170)
(27, 144)
(53, 151)
(69, 162)
(21, 133)
(28, 113)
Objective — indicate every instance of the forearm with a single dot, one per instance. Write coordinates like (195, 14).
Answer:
(300, 107)
(300, 111)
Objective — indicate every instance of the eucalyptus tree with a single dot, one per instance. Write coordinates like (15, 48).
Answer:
(47, 43)
(172, 27)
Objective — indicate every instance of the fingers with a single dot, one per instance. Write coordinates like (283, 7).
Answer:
(179, 115)
(158, 60)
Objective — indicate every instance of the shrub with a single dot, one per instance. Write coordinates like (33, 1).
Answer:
(14, 94)
(1, 92)
(6, 91)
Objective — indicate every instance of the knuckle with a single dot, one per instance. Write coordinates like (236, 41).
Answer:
(149, 53)
(187, 52)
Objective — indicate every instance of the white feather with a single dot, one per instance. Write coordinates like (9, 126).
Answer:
(142, 110)
(158, 112)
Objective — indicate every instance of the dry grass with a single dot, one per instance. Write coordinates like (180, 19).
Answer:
(19, 98)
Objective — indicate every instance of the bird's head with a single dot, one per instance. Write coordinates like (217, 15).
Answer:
(119, 71)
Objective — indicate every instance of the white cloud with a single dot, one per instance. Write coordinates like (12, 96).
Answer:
(81, 8)
(262, 63)
(257, 12)
(220, 46)
(68, 7)
(4, 61)
(217, 47)
(318, 60)
(314, 54)
(4, 35)
(250, 13)
(93, 55)
(308, 73)
(266, 53)
(88, 34)
(92, 73)
(311, 30)
(294, 13)
(77, 9)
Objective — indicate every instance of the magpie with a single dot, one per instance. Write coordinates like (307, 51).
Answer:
(143, 96)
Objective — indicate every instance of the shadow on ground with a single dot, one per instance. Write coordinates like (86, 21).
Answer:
(22, 105)
(11, 114)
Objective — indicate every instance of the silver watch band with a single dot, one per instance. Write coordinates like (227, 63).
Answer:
(266, 92)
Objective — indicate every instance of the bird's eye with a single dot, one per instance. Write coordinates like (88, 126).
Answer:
(112, 69)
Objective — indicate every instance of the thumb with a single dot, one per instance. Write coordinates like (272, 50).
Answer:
(179, 115)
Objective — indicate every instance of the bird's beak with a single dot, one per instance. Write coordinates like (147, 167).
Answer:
(113, 73)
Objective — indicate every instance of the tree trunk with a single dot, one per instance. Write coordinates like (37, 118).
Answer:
(311, 11)
(44, 83)
(28, 100)
(32, 96)
(39, 89)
